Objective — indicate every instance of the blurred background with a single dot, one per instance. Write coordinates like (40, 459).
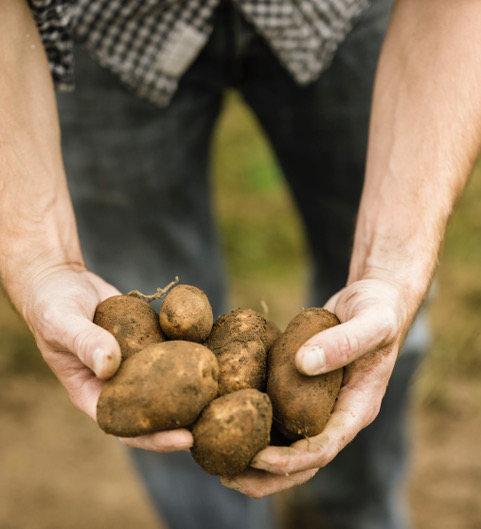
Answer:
(58, 470)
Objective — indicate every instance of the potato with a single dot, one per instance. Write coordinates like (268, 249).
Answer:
(301, 404)
(186, 314)
(132, 321)
(164, 386)
(273, 332)
(231, 431)
(238, 340)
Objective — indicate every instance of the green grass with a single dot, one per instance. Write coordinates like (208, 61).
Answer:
(260, 231)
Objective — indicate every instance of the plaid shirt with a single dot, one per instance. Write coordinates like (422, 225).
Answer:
(149, 44)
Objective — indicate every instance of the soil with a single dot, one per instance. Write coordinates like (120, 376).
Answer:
(58, 470)
(445, 487)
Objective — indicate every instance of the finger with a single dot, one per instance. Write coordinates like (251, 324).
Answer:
(95, 347)
(163, 442)
(257, 484)
(358, 404)
(338, 346)
(87, 394)
(82, 385)
(312, 452)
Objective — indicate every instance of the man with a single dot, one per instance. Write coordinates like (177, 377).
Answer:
(416, 168)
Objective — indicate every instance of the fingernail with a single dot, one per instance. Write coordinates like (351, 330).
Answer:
(183, 446)
(98, 361)
(260, 465)
(313, 360)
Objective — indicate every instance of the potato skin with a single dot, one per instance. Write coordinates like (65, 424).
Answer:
(272, 332)
(238, 340)
(301, 404)
(186, 314)
(231, 431)
(132, 321)
(162, 387)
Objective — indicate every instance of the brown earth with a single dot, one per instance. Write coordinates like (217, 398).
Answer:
(445, 488)
(58, 470)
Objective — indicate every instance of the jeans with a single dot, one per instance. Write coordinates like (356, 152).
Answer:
(139, 179)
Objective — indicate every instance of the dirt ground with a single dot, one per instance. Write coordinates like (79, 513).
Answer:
(445, 487)
(59, 471)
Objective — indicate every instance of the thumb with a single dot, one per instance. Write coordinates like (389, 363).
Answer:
(95, 347)
(340, 345)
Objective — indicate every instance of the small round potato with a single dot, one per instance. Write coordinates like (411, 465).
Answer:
(162, 387)
(231, 431)
(132, 321)
(186, 314)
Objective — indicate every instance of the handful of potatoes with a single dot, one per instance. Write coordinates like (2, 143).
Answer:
(225, 380)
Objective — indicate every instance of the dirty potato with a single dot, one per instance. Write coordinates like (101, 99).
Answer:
(132, 321)
(301, 404)
(162, 387)
(238, 340)
(186, 314)
(272, 332)
(231, 431)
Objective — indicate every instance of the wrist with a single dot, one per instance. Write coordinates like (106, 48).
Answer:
(34, 251)
(409, 270)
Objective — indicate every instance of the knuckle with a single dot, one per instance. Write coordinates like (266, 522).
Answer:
(289, 468)
(80, 346)
(371, 414)
(387, 326)
(342, 442)
(48, 323)
(316, 443)
(347, 349)
(254, 494)
(336, 445)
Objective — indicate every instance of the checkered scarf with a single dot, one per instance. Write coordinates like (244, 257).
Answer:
(149, 44)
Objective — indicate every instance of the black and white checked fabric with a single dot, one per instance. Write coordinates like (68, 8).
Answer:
(149, 44)
(54, 19)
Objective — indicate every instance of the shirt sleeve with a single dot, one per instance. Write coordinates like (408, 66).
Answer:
(54, 19)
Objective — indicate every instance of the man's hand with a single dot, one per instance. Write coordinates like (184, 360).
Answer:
(59, 306)
(424, 138)
(367, 342)
(41, 264)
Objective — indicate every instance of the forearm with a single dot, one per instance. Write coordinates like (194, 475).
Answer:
(424, 138)
(37, 226)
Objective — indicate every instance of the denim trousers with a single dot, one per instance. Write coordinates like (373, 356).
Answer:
(139, 180)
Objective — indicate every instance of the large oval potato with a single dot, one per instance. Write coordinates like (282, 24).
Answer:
(238, 340)
(301, 404)
(186, 314)
(164, 386)
(132, 321)
(231, 431)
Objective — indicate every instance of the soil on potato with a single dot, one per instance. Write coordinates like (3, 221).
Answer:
(60, 471)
